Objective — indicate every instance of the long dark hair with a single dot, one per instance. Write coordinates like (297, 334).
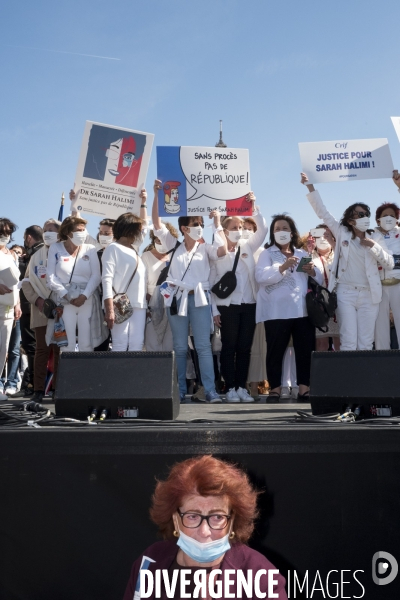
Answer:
(295, 242)
(348, 216)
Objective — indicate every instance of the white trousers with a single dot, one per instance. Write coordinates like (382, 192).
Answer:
(78, 317)
(129, 335)
(390, 301)
(357, 317)
(5, 334)
(151, 340)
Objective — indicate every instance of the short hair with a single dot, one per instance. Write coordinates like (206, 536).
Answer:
(348, 215)
(7, 224)
(226, 220)
(35, 231)
(206, 476)
(107, 222)
(383, 207)
(54, 222)
(67, 226)
(251, 221)
(295, 242)
(127, 225)
(17, 246)
(185, 222)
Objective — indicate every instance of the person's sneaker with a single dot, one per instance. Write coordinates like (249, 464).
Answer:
(10, 391)
(182, 398)
(37, 397)
(26, 392)
(200, 395)
(213, 397)
(232, 396)
(244, 395)
(285, 393)
(295, 392)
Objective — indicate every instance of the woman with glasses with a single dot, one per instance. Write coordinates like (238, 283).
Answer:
(205, 511)
(187, 296)
(354, 271)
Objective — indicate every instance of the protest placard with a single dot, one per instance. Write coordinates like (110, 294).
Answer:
(346, 160)
(197, 180)
(112, 170)
(396, 125)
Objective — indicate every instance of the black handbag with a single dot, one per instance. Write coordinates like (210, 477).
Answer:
(228, 282)
(48, 307)
(321, 305)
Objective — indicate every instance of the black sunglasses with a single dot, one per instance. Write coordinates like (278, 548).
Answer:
(361, 213)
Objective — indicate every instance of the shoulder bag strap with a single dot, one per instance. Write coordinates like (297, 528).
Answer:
(73, 268)
(132, 276)
(235, 264)
(175, 248)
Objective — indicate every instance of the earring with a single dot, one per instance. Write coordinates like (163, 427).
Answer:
(175, 533)
(232, 535)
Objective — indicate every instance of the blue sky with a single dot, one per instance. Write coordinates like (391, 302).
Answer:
(277, 73)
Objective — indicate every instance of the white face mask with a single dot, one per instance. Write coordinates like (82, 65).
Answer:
(104, 240)
(388, 223)
(234, 236)
(4, 240)
(78, 237)
(196, 233)
(322, 243)
(247, 233)
(50, 237)
(362, 224)
(282, 237)
(160, 248)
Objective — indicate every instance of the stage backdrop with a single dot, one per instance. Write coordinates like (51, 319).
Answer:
(74, 504)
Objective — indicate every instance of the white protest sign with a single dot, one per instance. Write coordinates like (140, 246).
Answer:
(112, 170)
(346, 160)
(396, 125)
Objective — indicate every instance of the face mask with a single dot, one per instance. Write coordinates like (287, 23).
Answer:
(388, 223)
(282, 237)
(104, 240)
(247, 233)
(136, 245)
(234, 236)
(195, 233)
(203, 553)
(362, 224)
(322, 244)
(160, 248)
(4, 239)
(50, 237)
(78, 237)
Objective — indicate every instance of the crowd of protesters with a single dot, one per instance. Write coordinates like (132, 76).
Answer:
(66, 291)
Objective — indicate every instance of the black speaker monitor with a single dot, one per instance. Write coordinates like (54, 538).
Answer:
(125, 384)
(368, 379)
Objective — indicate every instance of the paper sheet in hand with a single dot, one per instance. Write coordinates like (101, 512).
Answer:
(8, 277)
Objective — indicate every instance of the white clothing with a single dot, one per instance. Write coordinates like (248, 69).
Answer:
(392, 241)
(355, 273)
(6, 325)
(129, 335)
(119, 263)
(78, 316)
(357, 315)
(378, 252)
(60, 265)
(152, 343)
(8, 301)
(154, 266)
(257, 368)
(281, 295)
(390, 301)
(246, 288)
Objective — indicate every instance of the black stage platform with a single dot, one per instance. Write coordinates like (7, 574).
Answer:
(74, 502)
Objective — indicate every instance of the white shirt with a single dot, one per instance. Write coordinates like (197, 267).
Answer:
(355, 274)
(60, 265)
(154, 266)
(392, 240)
(281, 295)
(119, 263)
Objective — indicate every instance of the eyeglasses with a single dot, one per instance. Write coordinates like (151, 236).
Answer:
(361, 213)
(194, 520)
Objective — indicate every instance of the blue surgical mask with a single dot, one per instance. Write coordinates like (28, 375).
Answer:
(203, 552)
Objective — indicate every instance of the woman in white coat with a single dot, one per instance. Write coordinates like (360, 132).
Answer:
(236, 314)
(354, 270)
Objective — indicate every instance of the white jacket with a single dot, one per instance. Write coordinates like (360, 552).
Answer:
(247, 250)
(378, 252)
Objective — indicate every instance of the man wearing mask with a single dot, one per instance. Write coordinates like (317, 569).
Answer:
(33, 241)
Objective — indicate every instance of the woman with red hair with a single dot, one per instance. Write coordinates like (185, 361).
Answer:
(205, 511)
(387, 217)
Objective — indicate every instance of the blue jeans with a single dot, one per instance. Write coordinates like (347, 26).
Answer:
(200, 320)
(13, 358)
